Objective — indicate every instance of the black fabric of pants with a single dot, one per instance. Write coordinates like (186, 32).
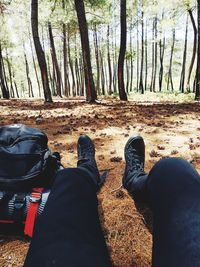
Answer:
(68, 233)
(173, 191)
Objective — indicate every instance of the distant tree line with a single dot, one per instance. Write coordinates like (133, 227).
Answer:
(124, 47)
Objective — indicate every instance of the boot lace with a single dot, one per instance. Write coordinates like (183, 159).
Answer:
(86, 151)
(134, 161)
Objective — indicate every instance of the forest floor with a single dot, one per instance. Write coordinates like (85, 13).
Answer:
(169, 128)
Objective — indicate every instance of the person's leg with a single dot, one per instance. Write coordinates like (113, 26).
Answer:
(172, 189)
(68, 233)
(174, 194)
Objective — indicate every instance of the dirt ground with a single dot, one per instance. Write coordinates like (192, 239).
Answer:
(169, 129)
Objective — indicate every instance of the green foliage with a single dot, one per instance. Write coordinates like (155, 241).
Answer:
(130, 55)
(97, 3)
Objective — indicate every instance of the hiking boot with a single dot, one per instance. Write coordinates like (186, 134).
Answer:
(86, 158)
(134, 179)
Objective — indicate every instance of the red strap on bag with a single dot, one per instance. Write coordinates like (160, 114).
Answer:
(32, 211)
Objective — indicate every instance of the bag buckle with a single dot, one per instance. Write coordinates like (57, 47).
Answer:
(19, 201)
(35, 197)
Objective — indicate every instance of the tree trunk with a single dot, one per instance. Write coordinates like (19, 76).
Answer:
(122, 93)
(89, 82)
(102, 74)
(109, 61)
(146, 56)
(194, 50)
(60, 60)
(131, 59)
(76, 68)
(137, 52)
(29, 83)
(96, 46)
(182, 80)
(5, 92)
(10, 75)
(71, 62)
(50, 77)
(153, 56)
(79, 75)
(65, 60)
(127, 75)
(114, 62)
(66, 77)
(171, 60)
(34, 65)
(141, 85)
(162, 52)
(16, 89)
(82, 92)
(39, 51)
(5, 76)
(55, 61)
(197, 94)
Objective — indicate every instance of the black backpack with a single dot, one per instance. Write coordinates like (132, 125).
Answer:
(25, 159)
(27, 171)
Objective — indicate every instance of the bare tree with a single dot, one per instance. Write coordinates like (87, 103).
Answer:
(197, 95)
(122, 93)
(194, 49)
(4, 89)
(89, 82)
(39, 51)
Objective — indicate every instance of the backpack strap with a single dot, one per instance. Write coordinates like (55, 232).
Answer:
(18, 205)
(32, 210)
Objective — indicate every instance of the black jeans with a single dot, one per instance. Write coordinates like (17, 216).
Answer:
(173, 188)
(69, 232)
